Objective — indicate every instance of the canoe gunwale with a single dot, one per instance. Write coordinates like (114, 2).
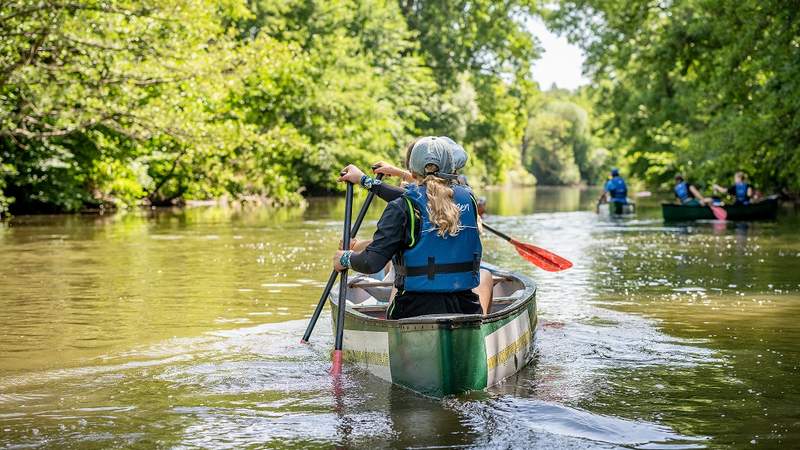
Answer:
(765, 209)
(452, 321)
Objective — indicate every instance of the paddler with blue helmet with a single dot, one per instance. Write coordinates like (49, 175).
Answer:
(431, 235)
(615, 192)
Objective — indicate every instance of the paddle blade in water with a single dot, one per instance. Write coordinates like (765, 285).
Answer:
(718, 212)
(336, 367)
(542, 258)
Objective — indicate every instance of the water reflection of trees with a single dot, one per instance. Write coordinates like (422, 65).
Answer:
(516, 201)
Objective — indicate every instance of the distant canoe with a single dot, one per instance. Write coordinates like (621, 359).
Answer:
(441, 354)
(617, 209)
(766, 209)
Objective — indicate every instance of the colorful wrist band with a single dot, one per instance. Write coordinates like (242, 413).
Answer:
(344, 260)
(368, 182)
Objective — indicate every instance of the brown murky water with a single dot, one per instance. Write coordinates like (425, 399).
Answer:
(181, 329)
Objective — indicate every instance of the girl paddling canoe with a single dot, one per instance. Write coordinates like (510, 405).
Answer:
(687, 194)
(431, 235)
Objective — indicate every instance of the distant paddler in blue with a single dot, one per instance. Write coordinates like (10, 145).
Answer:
(741, 191)
(615, 192)
(687, 193)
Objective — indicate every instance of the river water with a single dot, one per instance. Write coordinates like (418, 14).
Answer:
(181, 328)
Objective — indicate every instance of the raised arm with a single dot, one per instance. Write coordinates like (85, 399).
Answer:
(389, 239)
(696, 193)
(392, 171)
(386, 192)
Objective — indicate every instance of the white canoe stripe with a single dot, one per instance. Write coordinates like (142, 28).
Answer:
(369, 350)
(510, 340)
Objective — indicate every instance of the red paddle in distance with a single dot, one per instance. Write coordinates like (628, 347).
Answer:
(718, 212)
(538, 256)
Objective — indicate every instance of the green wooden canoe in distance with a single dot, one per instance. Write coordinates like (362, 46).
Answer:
(766, 209)
(442, 354)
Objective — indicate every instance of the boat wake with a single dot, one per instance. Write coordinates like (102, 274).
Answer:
(506, 421)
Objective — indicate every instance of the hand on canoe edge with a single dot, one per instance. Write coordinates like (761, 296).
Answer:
(351, 174)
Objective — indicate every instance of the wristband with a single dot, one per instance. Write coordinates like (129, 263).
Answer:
(368, 182)
(344, 260)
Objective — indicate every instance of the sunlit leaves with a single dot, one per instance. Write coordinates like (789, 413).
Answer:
(122, 102)
(714, 84)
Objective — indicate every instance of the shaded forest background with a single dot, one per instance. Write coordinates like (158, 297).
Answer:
(119, 103)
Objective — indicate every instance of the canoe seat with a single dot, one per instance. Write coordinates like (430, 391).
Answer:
(366, 290)
(382, 294)
(371, 296)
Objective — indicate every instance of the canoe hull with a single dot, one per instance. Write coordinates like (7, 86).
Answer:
(443, 355)
(763, 210)
(617, 209)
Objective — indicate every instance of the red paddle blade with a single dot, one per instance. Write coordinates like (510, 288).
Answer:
(336, 367)
(542, 258)
(719, 213)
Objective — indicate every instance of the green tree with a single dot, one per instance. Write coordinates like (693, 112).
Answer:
(481, 53)
(122, 102)
(478, 36)
(353, 89)
(552, 156)
(103, 100)
(696, 86)
(558, 147)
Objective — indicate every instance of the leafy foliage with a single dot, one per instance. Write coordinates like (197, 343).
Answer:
(697, 86)
(552, 152)
(105, 101)
(118, 103)
(122, 102)
(558, 146)
(341, 94)
(481, 53)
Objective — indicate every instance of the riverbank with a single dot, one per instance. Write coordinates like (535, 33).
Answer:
(570, 197)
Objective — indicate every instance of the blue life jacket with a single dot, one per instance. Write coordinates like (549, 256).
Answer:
(682, 192)
(618, 190)
(435, 263)
(741, 193)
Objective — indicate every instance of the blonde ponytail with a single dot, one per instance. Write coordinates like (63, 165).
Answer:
(442, 210)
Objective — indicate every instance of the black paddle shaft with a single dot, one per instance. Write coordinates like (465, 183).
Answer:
(348, 214)
(502, 235)
(332, 278)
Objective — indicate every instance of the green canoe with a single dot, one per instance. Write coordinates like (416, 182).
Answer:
(609, 209)
(766, 209)
(442, 354)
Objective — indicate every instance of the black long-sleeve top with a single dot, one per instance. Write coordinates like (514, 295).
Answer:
(387, 192)
(391, 236)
